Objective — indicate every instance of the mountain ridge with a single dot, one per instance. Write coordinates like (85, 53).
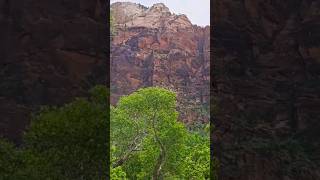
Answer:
(159, 48)
(131, 14)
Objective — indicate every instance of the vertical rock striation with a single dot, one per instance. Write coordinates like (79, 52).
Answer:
(154, 47)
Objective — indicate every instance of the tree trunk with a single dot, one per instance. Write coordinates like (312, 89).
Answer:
(161, 159)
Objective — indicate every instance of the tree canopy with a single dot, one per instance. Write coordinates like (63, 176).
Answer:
(148, 142)
(69, 142)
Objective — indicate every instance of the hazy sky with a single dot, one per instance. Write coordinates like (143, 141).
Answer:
(198, 11)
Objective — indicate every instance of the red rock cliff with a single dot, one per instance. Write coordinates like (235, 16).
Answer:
(154, 47)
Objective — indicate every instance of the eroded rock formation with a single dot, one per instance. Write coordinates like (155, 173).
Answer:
(154, 47)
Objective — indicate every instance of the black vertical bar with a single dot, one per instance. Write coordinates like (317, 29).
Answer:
(213, 149)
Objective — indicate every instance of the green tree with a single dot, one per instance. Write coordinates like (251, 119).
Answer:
(196, 163)
(9, 160)
(149, 143)
(73, 138)
(69, 142)
(116, 173)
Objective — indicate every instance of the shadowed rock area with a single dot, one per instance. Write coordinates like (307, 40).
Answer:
(50, 52)
(266, 87)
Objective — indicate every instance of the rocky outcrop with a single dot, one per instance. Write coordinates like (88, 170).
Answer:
(157, 16)
(155, 47)
(266, 69)
(50, 52)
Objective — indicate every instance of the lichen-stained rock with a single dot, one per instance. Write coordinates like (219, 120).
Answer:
(50, 52)
(155, 47)
(266, 86)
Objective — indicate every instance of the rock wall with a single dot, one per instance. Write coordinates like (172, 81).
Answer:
(158, 48)
(266, 69)
(50, 52)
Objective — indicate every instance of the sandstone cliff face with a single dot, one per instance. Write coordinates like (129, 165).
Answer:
(50, 52)
(157, 48)
(266, 84)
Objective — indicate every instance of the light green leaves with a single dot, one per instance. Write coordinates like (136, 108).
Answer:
(146, 135)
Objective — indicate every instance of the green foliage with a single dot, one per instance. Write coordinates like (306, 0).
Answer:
(197, 157)
(8, 159)
(118, 174)
(69, 142)
(112, 27)
(145, 133)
